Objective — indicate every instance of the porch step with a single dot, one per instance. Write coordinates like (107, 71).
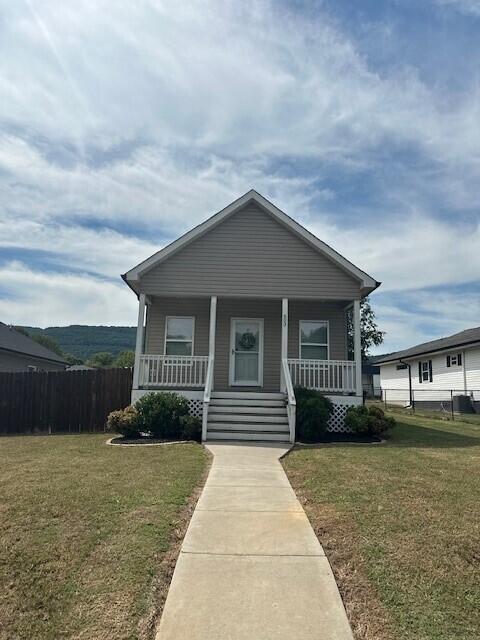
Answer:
(247, 426)
(247, 395)
(250, 417)
(240, 402)
(248, 435)
(247, 415)
(277, 410)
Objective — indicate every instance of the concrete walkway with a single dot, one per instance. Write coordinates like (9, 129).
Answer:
(251, 567)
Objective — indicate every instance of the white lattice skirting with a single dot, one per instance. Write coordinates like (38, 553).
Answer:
(336, 423)
(195, 408)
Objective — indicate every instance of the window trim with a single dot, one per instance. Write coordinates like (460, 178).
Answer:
(422, 371)
(313, 344)
(165, 339)
(458, 360)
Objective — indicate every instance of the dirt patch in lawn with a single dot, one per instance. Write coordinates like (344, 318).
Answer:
(340, 540)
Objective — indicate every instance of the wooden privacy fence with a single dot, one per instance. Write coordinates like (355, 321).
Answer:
(61, 401)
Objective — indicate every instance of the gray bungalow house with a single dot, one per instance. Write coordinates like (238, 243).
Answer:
(241, 309)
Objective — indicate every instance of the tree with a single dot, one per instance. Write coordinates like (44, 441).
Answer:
(22, 330)
(100, 360)
(125, 359)
(48, 343)
(370, 333)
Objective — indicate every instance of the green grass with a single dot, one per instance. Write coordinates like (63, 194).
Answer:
(84, 529)
(402, 521)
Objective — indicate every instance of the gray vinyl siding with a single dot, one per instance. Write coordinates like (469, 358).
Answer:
(250, 254)
(228, 308)
(199, 308)
(271, 312)
(10, 361)
(333, 313)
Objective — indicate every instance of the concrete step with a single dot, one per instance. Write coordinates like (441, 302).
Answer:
(270, 411)
(248, 435)
(245, 402)
(236, 417)
(247, 395)
(247, 426)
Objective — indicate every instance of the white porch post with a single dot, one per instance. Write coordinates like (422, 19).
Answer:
(139, 341)
(213, 326)
(211, 365)
(284, 352)
(357, 348)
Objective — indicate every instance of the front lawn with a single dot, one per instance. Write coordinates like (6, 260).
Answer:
(400, 523)
(88, 534)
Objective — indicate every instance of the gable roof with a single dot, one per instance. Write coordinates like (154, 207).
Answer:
(11, 340)
(367, 283)
(461, 339)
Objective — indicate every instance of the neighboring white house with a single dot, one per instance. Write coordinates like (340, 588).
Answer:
(241, 309)
(435, 373)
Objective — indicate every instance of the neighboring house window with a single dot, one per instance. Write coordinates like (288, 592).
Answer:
(425, 373)
(455, 360)
(179, 333)
(313, 339)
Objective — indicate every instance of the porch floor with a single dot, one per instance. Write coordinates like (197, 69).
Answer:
(250, 564)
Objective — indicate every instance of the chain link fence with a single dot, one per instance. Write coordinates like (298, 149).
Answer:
(449, 402)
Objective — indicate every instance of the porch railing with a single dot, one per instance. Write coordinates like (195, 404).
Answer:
(206, 396)
(172, 371)
(324, 375)
(291, 402)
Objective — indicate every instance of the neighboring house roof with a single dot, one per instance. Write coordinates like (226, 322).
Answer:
(367, 283)
(14, 341)
(457, 340)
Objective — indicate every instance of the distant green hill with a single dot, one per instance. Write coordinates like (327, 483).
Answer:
(82, 341)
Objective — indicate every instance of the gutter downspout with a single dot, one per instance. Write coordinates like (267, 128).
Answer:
(410, 392)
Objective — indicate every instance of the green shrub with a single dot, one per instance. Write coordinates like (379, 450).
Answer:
(313, 413)
(191, 428)
(161, 414)
(125, 421)
(369, 421)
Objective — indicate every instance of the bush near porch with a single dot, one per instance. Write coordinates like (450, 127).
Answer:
(89, 534)
(399, 524)
(160, 415)
(312, 415)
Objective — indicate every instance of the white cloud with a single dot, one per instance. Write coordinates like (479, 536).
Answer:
(410, 252)
(42, 299)
(420, 316)
(159, 113)
(468, 7)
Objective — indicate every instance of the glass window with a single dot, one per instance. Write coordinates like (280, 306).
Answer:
(426, 371)
(313, 340)
(179, 336)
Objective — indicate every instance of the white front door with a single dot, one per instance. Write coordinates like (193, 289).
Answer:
(246, 352)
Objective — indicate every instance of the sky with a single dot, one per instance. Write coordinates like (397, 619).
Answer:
(122, 125)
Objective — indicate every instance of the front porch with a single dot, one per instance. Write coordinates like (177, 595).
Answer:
(197, 346)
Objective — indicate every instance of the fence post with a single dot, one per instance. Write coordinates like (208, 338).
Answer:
(451, 404)
(413, 401)
(385, 397)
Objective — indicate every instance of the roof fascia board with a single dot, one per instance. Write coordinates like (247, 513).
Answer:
(366, 281)
(456, 347)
